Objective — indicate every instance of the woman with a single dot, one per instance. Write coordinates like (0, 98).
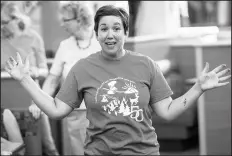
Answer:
(10, 132)
(77, 20)
(18, 35)
(120, 89)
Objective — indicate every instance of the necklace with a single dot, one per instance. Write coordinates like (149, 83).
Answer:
(83, 48)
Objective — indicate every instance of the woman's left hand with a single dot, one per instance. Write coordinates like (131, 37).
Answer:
(213, 79)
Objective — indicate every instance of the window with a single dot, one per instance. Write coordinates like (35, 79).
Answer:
(205, 13)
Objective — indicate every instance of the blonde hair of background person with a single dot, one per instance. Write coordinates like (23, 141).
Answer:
(10, 131)
(77, 19)
(113, 74)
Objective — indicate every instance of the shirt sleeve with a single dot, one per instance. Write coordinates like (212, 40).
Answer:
(40, 53)
(159, 88)
(58, 63)
(69, 92)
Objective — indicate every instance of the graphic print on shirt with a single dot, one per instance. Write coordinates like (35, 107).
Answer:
(119, 96)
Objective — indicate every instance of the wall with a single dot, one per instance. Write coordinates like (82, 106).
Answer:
(154, 18)
(156, 47)
(53, 33)
(215, 105)
(157, 18)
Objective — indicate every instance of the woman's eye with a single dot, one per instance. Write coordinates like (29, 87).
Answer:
(103, 29)
(117, 29)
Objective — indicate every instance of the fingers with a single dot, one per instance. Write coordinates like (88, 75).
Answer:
(223, 72)
(224, 78)
(7, 69)
(10, 64)
(206, 68)
(35, 111)
(12, 61)
(218, 68)
(27, 61)
(18, 58)
(222, 84)
(35, 114)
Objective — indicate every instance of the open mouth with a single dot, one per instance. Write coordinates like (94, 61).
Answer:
(110, 43)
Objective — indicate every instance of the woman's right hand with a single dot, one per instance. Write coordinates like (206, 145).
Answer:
(16, 68)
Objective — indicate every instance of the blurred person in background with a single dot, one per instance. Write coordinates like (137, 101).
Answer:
(17, 35)
(77, 20)
(10, 131)
(121, 90)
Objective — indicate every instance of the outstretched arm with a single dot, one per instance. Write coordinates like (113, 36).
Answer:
(169, 109)
(53, 107)
(50, 85)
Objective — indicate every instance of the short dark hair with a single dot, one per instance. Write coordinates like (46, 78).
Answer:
(111, 10)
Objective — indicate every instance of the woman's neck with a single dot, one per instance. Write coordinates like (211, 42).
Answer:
(119, 54)
(84, 35)
(84, 39)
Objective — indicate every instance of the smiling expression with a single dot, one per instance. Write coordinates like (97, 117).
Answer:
(111, 35)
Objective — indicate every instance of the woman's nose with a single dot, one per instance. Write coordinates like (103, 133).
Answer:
(110, 34)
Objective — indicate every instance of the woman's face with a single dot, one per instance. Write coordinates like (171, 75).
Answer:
(68, 22)
(7, 26)
(10, 25)
(111, 35)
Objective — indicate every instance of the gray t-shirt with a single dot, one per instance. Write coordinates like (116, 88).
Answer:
(118, 95)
